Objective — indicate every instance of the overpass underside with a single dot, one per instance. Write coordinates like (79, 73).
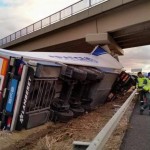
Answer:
(71, 46)
(133, 36)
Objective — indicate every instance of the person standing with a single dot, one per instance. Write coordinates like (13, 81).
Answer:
(146, 90)
(139, 86)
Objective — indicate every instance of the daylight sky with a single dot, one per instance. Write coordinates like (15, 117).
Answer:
(17, 14)
(138, 57)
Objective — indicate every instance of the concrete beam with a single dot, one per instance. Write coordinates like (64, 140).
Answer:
(104, 39)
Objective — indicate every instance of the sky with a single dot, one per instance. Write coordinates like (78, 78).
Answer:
(137, 57)
(17, 14)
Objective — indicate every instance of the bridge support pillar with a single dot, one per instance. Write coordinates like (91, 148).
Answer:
(104, 39)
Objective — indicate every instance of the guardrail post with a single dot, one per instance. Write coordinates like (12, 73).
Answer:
(71, 10)
(49, 19)
(20, 33)
(41, 24)
(60, 15)
(26, 30)
(10, 37)
(15, 35)
(33, 27)
(90, 3)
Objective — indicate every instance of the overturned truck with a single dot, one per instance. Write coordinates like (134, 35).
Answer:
(37, 87)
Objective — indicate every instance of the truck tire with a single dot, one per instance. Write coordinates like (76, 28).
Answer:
(77, 111)
(64, 117)
(75, 104)
(58, 105)
(85, 101)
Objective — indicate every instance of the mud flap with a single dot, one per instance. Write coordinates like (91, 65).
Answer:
(36, 119)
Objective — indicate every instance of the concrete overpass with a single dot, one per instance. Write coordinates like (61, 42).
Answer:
(116, 23)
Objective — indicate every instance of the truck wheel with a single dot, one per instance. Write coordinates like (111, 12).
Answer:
(58, 105)
(56, 116)
(78, 111)
(85, 101)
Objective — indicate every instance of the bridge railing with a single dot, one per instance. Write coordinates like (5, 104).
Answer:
(56, 17)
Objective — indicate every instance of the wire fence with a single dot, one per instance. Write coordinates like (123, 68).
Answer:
(56, 17)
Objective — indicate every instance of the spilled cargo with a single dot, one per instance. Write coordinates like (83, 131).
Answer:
(37, 87)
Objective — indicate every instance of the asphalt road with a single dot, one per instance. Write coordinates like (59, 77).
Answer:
(137, 136)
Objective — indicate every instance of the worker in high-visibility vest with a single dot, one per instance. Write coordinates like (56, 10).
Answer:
(139, 86)
(146, 90)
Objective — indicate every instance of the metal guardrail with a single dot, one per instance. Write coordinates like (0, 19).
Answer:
(102, 137)
(56, 17)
